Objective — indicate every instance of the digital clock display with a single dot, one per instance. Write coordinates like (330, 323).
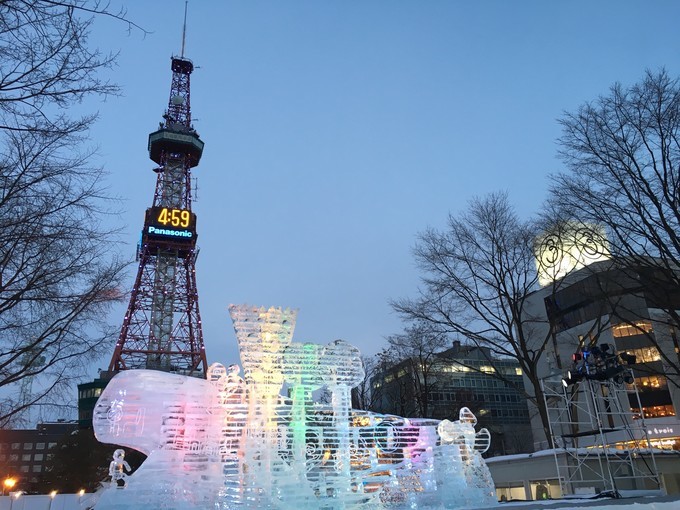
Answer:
(174, 217)
(169, 224)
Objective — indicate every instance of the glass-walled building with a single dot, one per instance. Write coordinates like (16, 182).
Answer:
(88, 394)
(462, 376)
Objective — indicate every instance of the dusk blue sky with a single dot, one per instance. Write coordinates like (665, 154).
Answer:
(335, 131)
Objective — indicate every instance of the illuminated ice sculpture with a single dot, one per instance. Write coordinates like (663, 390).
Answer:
(233, 442)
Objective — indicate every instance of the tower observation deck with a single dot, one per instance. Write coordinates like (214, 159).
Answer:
(162, 326)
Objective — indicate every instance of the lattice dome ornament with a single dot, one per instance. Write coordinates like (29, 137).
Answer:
(569, 247)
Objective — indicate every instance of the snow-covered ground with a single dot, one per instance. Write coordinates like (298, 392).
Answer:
(74, 502)
(651, 503)
(667, 505)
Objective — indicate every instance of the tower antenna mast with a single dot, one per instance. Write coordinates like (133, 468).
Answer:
(184, 28)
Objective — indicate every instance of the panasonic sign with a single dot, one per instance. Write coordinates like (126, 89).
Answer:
(169, 232)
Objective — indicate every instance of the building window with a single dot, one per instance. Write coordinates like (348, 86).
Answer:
(14, 457)
(487, 369)
(23, 469)
(653, 411)
(16, 446)
(455, 368)
(666, 443)
(545, 489)
(37, 468)
(28, 446)
(39, 446)
(38, 457)
(26, 457)
(51, 445)
(644, 354)
(637, 328)
(653, 382)
(514, 491)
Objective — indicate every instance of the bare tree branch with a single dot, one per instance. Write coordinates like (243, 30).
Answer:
(622, 153)
(477, 276)
(59, 272)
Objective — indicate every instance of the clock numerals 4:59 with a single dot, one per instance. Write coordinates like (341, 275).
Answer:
(174, 217)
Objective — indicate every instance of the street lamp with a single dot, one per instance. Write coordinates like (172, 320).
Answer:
(8, 485)
(52, 495)
(16, 496)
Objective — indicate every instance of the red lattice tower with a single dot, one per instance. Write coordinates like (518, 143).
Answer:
(162, 326)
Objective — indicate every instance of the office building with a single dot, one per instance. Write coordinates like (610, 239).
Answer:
(462, 376)
(24, 454)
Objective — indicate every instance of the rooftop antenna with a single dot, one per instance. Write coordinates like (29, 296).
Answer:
(184, 29)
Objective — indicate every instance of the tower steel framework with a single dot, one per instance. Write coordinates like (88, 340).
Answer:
(162, 326)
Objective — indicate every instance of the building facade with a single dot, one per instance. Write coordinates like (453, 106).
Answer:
(535, 476)
(626, 309)
(88, 394)
(24, 453)
(462, 376)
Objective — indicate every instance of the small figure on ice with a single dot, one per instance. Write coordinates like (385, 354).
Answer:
(117, 469)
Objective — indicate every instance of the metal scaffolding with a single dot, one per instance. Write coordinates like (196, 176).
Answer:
(599, 446)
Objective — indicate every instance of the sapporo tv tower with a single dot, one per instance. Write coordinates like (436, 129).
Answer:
(162, 326)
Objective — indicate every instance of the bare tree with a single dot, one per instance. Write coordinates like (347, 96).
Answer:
(476, 278)
(364, 395)
(407, 370)
(58, 269)
(622, 153)
(46, 64)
